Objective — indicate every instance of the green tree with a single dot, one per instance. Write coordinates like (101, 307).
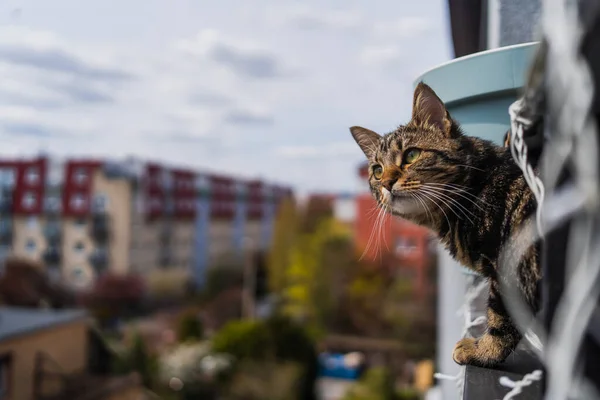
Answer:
(137, 358)
(275, 341)
(284, 238)
(189, 327)
(376, 384)
(315, 274)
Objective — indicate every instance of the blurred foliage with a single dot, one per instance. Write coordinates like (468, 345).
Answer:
(25, 284)
(315, 271)
(243, 339)
(315, 274)
(138, 358)
(114, 296)
(264, 380)
(167, 283)
(284, 237)
(375, 384)
(189, 327)
(227, 274)
(274, 340)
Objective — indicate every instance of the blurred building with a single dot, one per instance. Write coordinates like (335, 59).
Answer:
(83, 217)
(52, 354)
(408, 243)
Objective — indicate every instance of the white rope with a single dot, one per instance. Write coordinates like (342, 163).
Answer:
(570, 95)
(519, 153)
(517, 386)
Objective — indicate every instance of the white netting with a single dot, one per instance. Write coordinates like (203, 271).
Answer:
(572, 141)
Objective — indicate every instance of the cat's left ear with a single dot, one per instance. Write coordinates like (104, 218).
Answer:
(429, 110)
(366, 139)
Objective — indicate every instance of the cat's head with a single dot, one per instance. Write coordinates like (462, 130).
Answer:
(419, 163)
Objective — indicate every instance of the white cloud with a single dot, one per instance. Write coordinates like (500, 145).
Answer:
(269, 95)
(325, 151)
(307, 18)
(242, 57)
(381, 54)
(404, 27)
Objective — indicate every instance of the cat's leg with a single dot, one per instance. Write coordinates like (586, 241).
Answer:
(499, 340)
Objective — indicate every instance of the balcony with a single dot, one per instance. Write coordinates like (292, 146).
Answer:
(99, 259)
(52, 256)
(52, 233)
(166, 233)
(6, 232)
(165, 258)
(5, 203)
(100, 228)
(169, 206)
(52, 205)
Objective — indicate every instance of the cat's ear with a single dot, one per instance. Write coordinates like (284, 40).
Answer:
(429, 109)
(366, 139)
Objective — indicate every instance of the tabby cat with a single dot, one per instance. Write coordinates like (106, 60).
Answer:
(470, 193)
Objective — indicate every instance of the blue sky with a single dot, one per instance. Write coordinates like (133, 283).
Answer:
(263, 88)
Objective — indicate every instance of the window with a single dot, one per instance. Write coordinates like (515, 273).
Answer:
(79, 247)
(30, 246)
(100, 202)
(78, 201)
(166, 179)
(80, 176)
(202, 182)
(5, 375)
(29, 200)
(52, 203)
(7, 177)
(32, 223)
(78, 276)
(32, 175)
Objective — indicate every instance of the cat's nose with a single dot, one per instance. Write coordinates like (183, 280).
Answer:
(388, 184)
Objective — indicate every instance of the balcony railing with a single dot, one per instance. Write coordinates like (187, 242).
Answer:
(5, 204)
(165, 258)
(100, 228)
(53, 233)
(6, 232)
(166, 233)
(52, 256)
(99, 260)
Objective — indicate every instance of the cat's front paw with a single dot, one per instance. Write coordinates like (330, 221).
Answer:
(487, 351)
(465, 351)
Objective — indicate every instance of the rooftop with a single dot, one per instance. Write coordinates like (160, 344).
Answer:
(16, 321)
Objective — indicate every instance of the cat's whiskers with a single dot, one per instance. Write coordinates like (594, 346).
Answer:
(428, 213)
(454, 192)
(380, 224)
(470, 166)
(450, 202)
(464, 210)
(462, 189)
(368, 246)
(380, 212)
(433, 200)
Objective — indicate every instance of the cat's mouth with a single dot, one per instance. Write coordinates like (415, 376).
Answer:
(400, 202)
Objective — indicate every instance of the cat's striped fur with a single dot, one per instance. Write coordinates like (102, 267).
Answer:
(467, 190)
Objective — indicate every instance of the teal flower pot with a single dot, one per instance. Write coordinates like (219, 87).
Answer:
(478, 88)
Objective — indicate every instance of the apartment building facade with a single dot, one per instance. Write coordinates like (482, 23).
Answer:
(83, 217)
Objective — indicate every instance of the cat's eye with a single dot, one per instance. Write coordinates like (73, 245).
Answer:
(377, 171)
(411, 156)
